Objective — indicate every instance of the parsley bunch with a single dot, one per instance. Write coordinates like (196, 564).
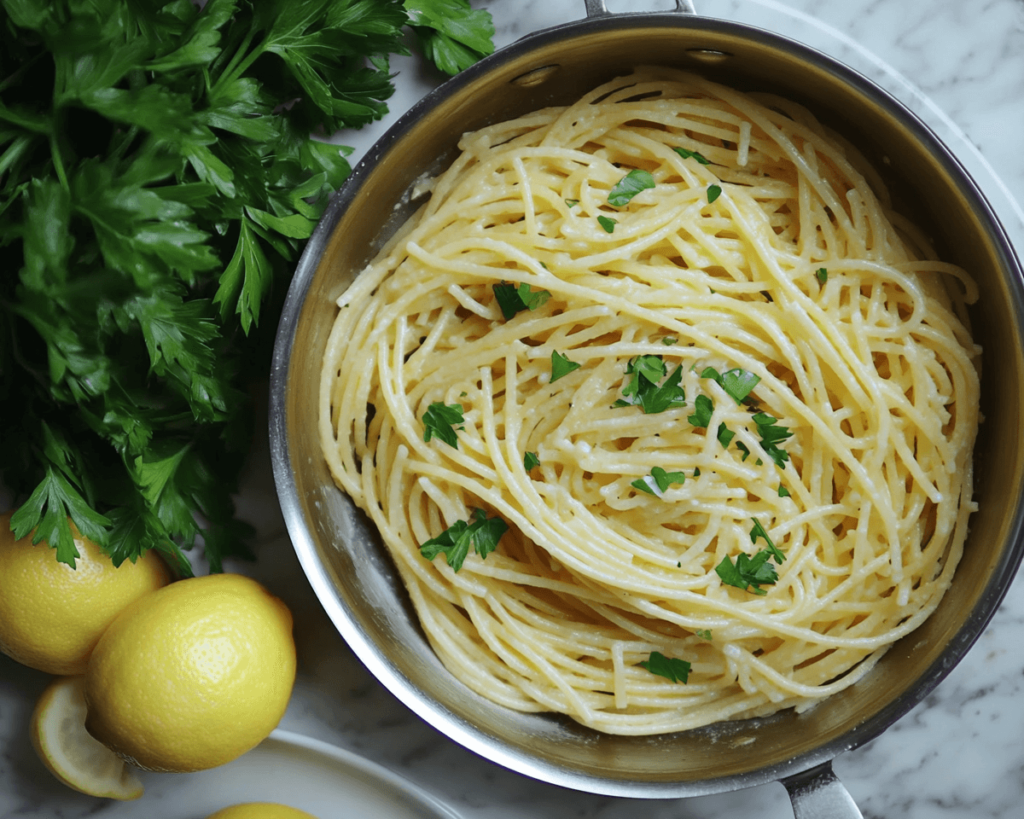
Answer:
(157, 183)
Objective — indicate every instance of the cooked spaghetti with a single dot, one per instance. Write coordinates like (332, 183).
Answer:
(723, 400)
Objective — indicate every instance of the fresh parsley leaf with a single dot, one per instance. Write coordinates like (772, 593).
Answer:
(450, 33)
(748, 573)
(758, 531)
(687, 154)
(512, 299)
(822, 274)
(725, 435)
(662, 479)
(736, 382)
(571, 203)
(783, 492)
(666, 479)
(771, 436)
(669, 341)
(643, 390)
(561, 366)
(643, 486)
(530, 461)
(441, 421)
(703, 633)
(483, 534)
(714, 191)
(607, 223)
(678, 671)
(704, 407)
(630, 185)
(155, 195)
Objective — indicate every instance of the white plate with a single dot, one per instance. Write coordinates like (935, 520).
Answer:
(292, 769)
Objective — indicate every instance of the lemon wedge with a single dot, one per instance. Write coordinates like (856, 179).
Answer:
(68, 750)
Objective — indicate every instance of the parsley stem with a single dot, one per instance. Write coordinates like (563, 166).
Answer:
(58, 163)
(238, 65)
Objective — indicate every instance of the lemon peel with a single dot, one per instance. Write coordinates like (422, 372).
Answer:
(70, 753)
(193, 675)
(52, 616)
(260, 810)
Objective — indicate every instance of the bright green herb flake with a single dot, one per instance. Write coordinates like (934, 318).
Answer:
(736, 382)
(662, 479)
(703, 408)
(822, 274)
(571, 203)
(530, 461)
(441, 421)
(561, 366)
(748, 573)
(678, 671)
(714, 191)
(630, 185)
(482, 534)
(607, 223)
(643, 390)
(703, 633)
(688, 154)
(669, 341)
(783, 492)
(771, 436)
(513, 299)
(758, 531)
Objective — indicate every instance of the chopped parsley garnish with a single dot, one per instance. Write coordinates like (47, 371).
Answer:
(725, 435)
(748, 573)
(668, 341)
(629, 186)
(561, 366)
(606, 223)
(571, 203)
(714, 191)
(703, 633)
(483, 534)
(643, 390)
(736, 382)
(822, 274)
(771, 436)
(441, 420)
(703, 407)
(513, 299)
(530, 460)
(759, 532)
(678, 671)
(662, 479)
(783, 492)
(688, 154)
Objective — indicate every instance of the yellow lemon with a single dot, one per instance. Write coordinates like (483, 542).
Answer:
(193, 675)
(260, 810)
(65, 747)
(51, 616)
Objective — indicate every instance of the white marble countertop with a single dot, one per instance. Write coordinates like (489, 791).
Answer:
(960, 66)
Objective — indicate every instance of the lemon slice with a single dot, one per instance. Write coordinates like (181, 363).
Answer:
(70, 752)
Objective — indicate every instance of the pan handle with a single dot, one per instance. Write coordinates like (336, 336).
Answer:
(818, 794)
(597, 8)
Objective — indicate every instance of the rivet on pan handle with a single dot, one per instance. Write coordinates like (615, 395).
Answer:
(597, 8)
(818, 794)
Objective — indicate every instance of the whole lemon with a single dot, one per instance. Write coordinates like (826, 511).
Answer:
(260, 810)
(52, 616)
(192, 675)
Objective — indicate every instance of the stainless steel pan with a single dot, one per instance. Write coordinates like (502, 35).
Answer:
(350, 570)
